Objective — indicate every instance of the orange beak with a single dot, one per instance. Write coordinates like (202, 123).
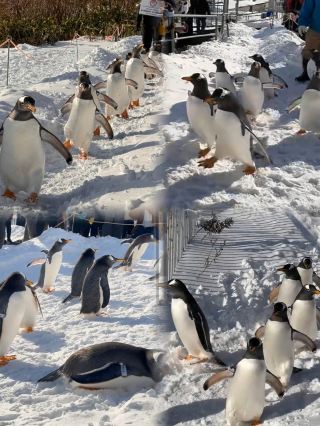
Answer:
(31, 108)
(210, 101)
(186, 78)
(280, 269)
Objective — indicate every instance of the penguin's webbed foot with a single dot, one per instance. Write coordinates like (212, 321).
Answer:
(256, 422)
(33, 198)
(249, 170)
(301, 132)
(9, 194)
(97, 132)
(48, 290)
(203, 152)
(125, 114)
(188, 358)
(136, 103)
(4, 360)
(28, 329)
(208, 163)
(68, 144)
(83, 155)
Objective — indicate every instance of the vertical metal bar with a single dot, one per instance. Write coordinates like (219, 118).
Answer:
(173, 42)
(237, 10)
(8, 61)
(77, 52)
(216, 31)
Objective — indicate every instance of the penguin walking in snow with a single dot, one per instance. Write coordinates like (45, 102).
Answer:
(278, 348)
(234, 136)
(96, 291)
(246, 393)
(22, 156)
(50, 265)
(252, 94)
(136, 250)
(190, 323)
(80, 270)
(307, 273)
(200, 115)
(309, 117)
(108, 365)
(223, 78)
(290, 286)
(19, 307)
(267, 76)
(85, 112)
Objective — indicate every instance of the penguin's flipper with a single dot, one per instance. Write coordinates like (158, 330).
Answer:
(109, 372)
(45, 251)
(274, 294)
(282, 81)
(66, 109)
(127, 241)
(131, 83)
(68, 101)
(294, 104)
(67, 298)
(105, 98)
(152, 70)
(259, 142)
(51, 377)
(316, 278)
(201, 326)
(1, 134)
(101, 85)
(217, 377)
(260, 332)
(275, 383)
(33, 290)
(303, 338)
(101, 119)
(51, 139)
(105, 290)
(271, 85)
(39, 261)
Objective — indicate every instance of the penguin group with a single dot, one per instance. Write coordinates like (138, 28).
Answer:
(98, 366)
(22, 136)
(269, 357)
(224, 119)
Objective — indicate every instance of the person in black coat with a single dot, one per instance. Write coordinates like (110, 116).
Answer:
(200, 7)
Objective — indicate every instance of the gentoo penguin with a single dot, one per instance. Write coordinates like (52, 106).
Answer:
(95, 291)
(291, 284)
(246, 393)
(18, 308)
(200, 115)
(135, 72)
(305, 270)
(32, 308)
(50, 265)
(108, 365)
(79, 273)
(22, 156)
(309, 117)
(190, 323)
(223, 78)
(267, 76)
(85, 112)
(278, 348)
(252, 94)
(136, 250)
(234, 136)
(304, 311)
(314, 64)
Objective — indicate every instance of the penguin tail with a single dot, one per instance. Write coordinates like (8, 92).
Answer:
(67, 298)
(51, 377)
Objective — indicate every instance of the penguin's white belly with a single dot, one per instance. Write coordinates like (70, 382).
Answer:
(138, 252)
(278, 350)
(119, 382)
(266, 78)
(224, 80)
(201, 120)
(252, 95)
(230, 141)
(246, 393)
(52, 269)
(310, 111)
(186, 329)
(306, 275)
(118, 91)
(22, 156)
(135, 71)
(288, 291)
(81, 123)
(311, 68)
(31, 310)
(12, 321)
(304, 318)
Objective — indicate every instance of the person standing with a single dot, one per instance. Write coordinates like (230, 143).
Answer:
(200, 7)
(309, 24)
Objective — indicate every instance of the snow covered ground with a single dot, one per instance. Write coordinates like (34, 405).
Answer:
(132, 317)
(124, 168)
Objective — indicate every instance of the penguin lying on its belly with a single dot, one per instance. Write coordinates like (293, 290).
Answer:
(246, 393)
(22, 156)
(108, 365)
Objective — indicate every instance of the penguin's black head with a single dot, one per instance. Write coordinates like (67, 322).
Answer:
(137, 50)
(221, 67)
(90, 252)
(177, 288)
(254, 348)
(194, 78)
(316, 57)
(128, 56)
(64, 241)
(218, 61)
(255, 69)
(315, 291)
(306, 263)
(280, 312)
(217, 96)
(84, 77)
(257, 57)
(26, 103)
(115, 66)
(108, 260)
(290, 271)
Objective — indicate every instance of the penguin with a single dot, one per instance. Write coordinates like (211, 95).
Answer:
(50, 265)
(136, 250)
(278, 348)
(267, 76)
(32, 308)
(223, 78)
(116, 86)
(22, 156)
(80, 270)
(246, 393)
(108, 365)
(190, 323)
(309, 117)
(85, 111)
(234, 136)
(135, 71)
(252, 94)
(314, 64)
(151, 68)
(200, 115)
(304, 311)
(18, 306)
(291, 285)
(95, 291)
(305, 269)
